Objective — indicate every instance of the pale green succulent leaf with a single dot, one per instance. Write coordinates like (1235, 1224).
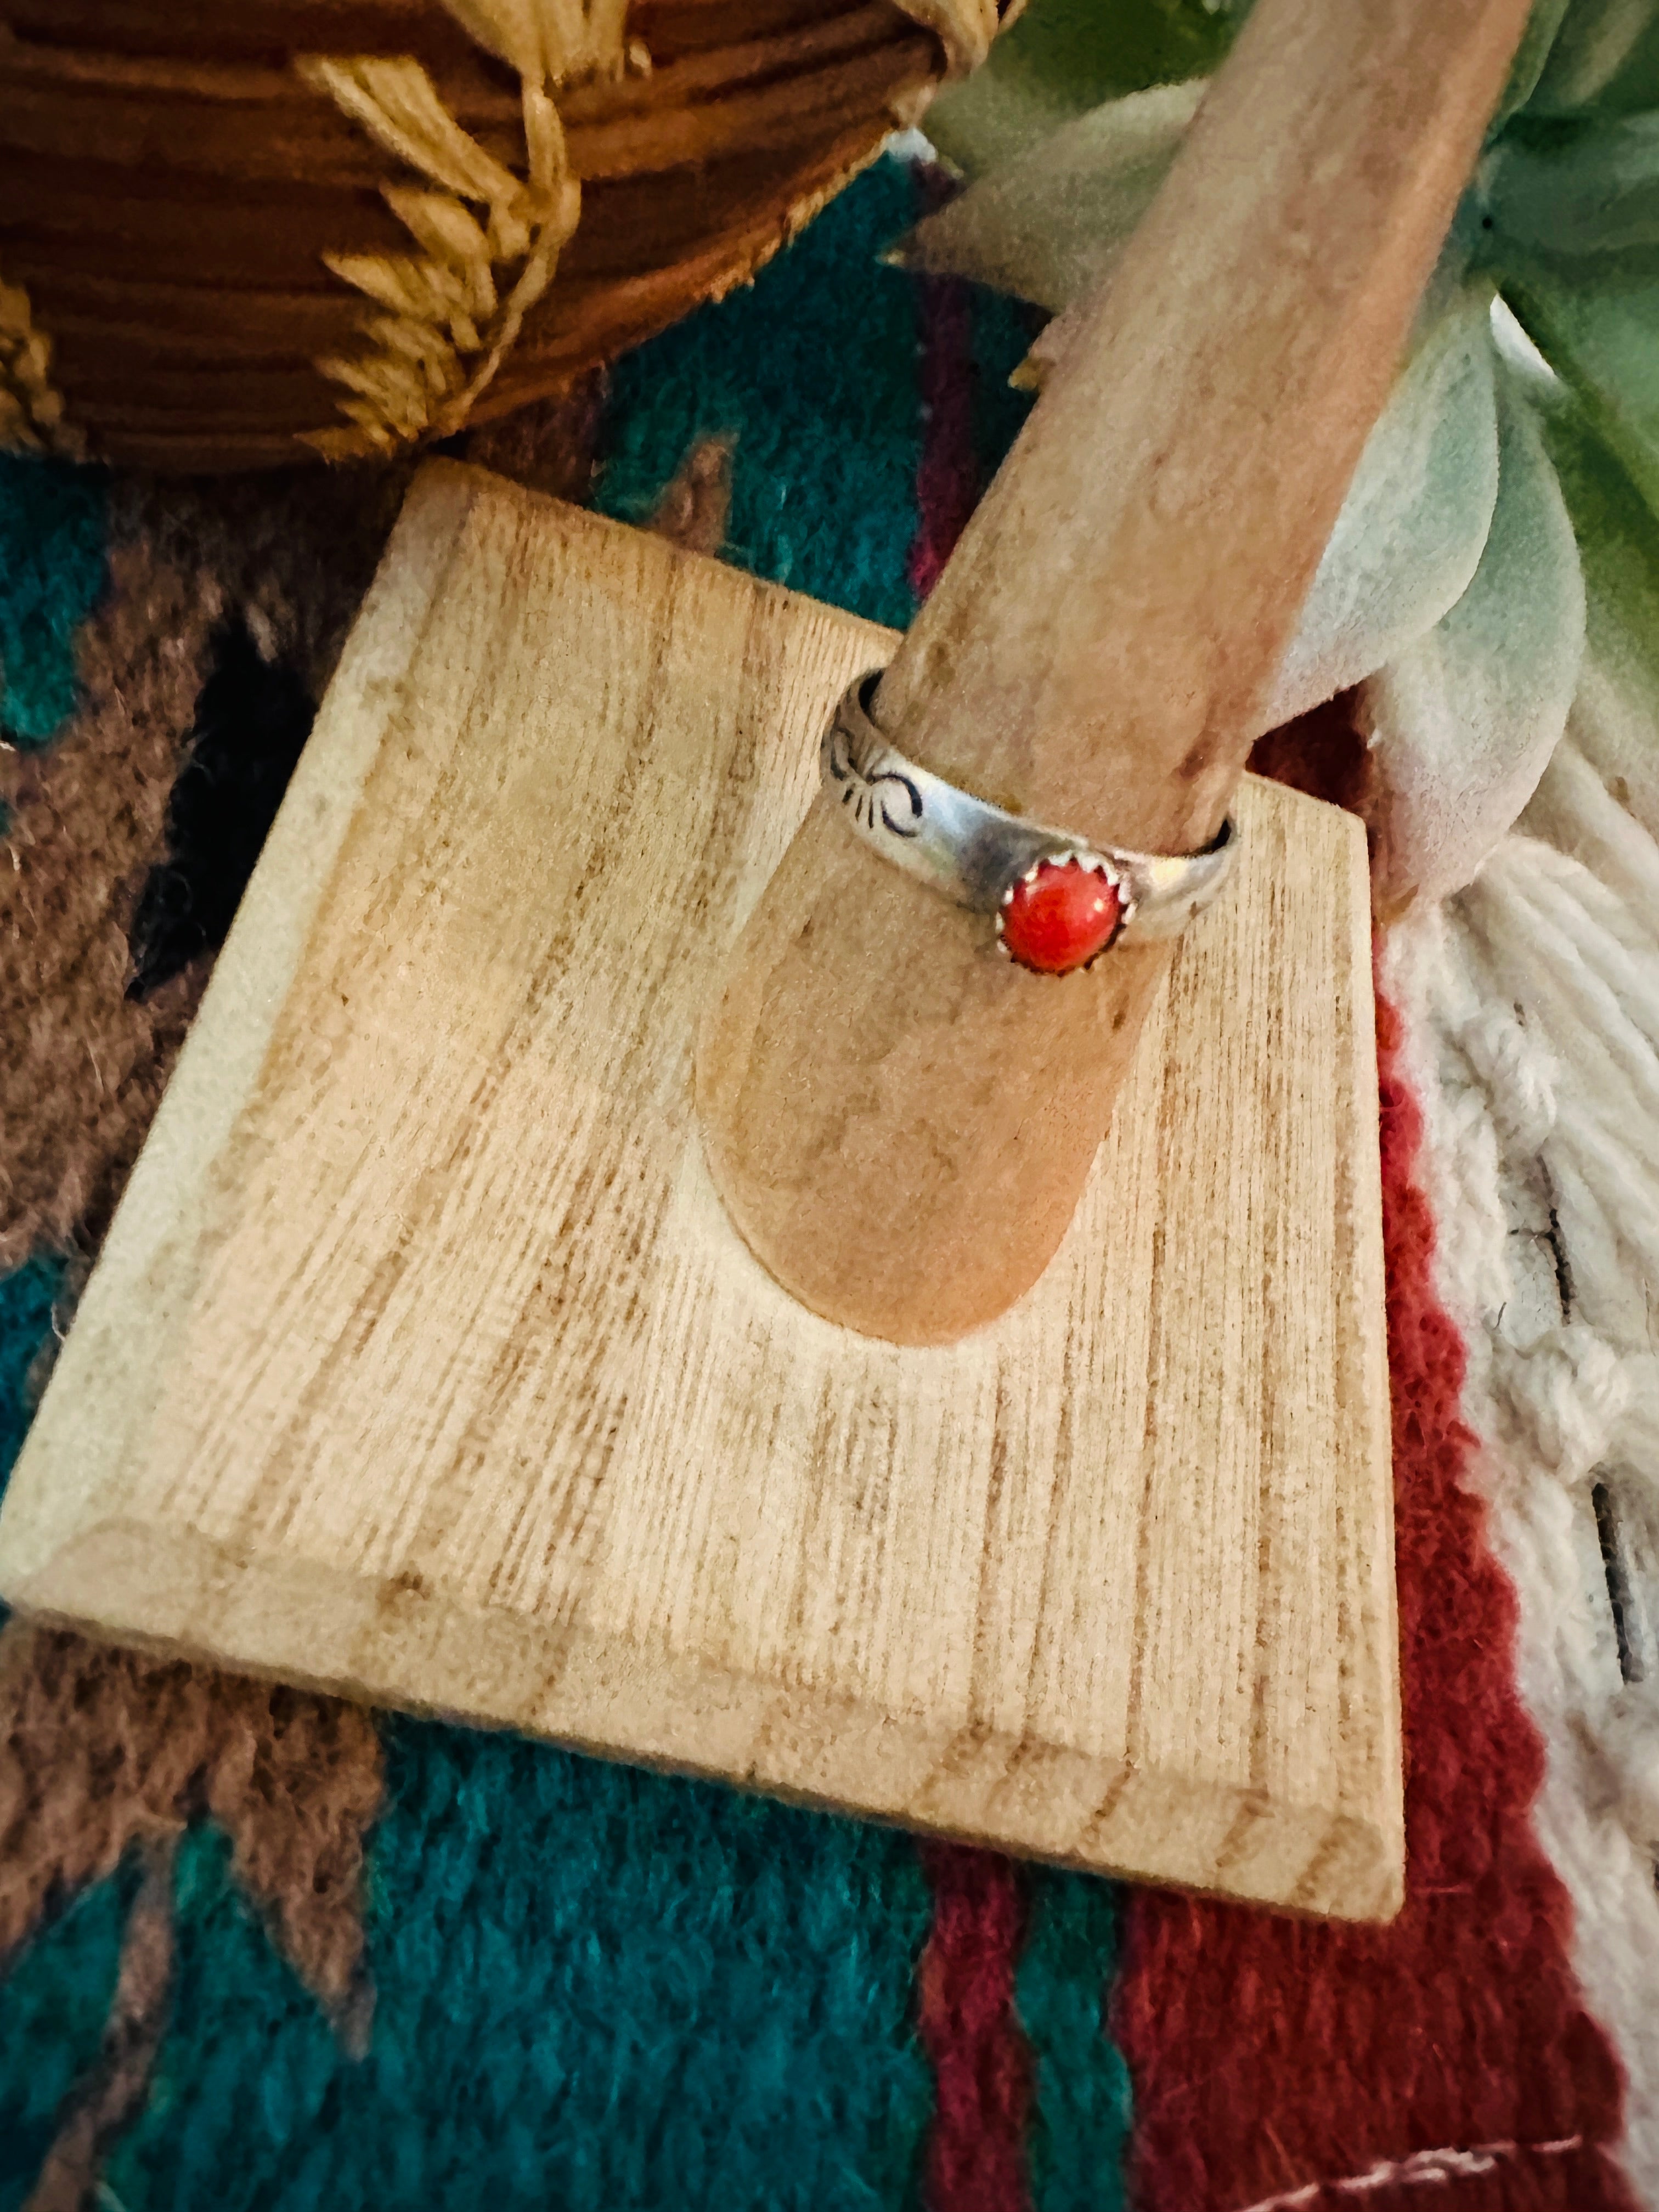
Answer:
(1411, 530)
(1046, 225)
(1605, 55)
(991, 118)
(1604, 340)
(1061, 59)
(1616, 717)
(1464, 718)
(1528, 67)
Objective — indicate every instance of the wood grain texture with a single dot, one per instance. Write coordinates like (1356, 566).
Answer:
(423, 1361)
(1097, 653)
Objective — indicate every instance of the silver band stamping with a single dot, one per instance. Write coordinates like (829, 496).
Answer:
(976, 853)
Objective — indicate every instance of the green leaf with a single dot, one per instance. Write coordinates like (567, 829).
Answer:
(1604, 341)
(1528, 67)
(1063, 58)
(1593, 191)
(1605, 55)
(1464, 719)
(1616, 718)
(1410, 535)
(1045, 225)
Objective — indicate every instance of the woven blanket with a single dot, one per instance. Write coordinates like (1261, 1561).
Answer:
(265, 1950)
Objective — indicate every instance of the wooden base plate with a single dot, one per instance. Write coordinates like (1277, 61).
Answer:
(423, 1363)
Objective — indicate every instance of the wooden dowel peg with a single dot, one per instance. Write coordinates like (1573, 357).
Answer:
(900, 1122)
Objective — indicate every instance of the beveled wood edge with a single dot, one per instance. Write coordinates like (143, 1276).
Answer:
(604, 1697)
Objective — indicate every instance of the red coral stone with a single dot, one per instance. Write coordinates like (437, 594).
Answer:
(1060, 915)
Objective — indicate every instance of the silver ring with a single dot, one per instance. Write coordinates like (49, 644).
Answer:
(979, 855)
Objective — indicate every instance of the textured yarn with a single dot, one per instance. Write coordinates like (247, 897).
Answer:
(1534, 1002)
(113, 2091)
(288, 554)
(27, 1295)
(104, 1748)
(52, 573)
(948, 474)
(57, 1998)
(971, 342)
(976, 2158)
(252, 718)
(1080, 2127)
(83, 1068)
(1274, 2061)
(809, 376)
(594, 1989)
(551, 445)
(696, 504)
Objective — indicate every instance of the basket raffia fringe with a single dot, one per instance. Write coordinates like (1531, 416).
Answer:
(447, 323)
(31, 407)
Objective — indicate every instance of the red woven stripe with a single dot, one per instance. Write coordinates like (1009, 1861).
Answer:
(1267, 2055)
(947, 476)
(975, 2150)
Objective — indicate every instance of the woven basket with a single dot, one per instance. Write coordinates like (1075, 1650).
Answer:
(246, 232)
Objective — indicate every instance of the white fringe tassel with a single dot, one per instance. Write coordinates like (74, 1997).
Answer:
(1531, 1001)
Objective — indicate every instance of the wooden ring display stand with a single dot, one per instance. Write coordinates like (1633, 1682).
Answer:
(422, 1359)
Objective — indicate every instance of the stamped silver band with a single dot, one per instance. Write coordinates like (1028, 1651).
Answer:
(974, 853)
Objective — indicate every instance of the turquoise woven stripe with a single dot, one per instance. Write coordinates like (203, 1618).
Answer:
(26, 1302)
(597, 1989)
(812, 373)
(52, 2015)
(1080, 2137)
(52, 573)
